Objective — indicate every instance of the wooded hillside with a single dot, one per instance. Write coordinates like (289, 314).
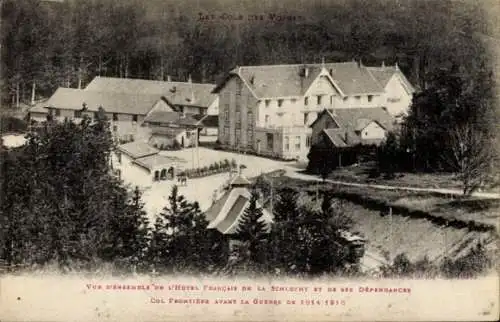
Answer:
(62, 43)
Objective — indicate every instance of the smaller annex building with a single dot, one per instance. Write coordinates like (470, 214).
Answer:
(225, 213)
(145, 158)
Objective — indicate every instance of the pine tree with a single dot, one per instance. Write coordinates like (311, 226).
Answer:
(252, 230)
(180, 239)
(283, 232)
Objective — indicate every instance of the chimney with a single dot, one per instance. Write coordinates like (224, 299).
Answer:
(33, 94)
(169, 78)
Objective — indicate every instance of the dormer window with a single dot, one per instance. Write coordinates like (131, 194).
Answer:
(268, 102)
(280, 102)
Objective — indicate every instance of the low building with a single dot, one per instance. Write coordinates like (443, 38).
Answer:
(225, 213)
(172, 129)
(142, 156)
(161, 167)
(187, 97)
(125, 112)
(343, 133)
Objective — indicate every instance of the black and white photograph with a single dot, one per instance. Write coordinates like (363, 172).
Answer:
(316, 160)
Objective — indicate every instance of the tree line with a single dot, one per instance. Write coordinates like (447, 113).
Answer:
(68, 43)
(61, 205)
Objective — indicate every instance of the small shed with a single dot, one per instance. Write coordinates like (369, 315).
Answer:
(161, 167)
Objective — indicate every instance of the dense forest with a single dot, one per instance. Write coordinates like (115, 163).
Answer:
(67, 43)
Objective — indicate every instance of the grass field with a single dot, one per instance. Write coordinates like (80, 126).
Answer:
(404, 232)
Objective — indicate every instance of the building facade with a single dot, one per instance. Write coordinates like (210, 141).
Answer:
(269, 109)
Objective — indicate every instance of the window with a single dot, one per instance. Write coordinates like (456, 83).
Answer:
(297, 143)
(188, 134)
(226, 115)
(306, 100)
(78, 114)
(287, 143)
(319, 99)
(58, 112)
(306, 118)
(308, 141)
(268, 102)
(270, 143)
(370, 98)
(280, 102)
(250, 138)
(115, 116)
(238, 137)
(266, 119)
(134, 118)
(331, 99)
(357, 97)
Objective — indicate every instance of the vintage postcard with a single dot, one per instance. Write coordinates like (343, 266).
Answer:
(250, 160)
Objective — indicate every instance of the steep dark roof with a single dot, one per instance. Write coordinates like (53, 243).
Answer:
(137, 149)
(211, 121)
(385, 73)
(351, 117)
(233, 215)
(73, 99)
(177, 93)
(272, 81)
(215, 209)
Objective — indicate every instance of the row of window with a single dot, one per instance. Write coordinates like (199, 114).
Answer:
(297, 143)
(319, 100)
(79, 114)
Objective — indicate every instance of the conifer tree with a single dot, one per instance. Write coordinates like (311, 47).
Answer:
(252, 230)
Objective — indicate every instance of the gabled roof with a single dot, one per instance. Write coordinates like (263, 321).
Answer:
(225, 214)
(137, 149)
(274, 81)
(342, 137)
(350, 117)
(172, 118)
(384, 74)
(176, 93)
(73, 99)
(239, 180)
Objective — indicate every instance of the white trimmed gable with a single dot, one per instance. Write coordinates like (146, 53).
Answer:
(372, 131)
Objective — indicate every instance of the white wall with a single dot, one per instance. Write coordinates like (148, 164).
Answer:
(397, 100)
(373, 131)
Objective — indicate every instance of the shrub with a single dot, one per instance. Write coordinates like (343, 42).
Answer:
(233, 163)
(13, 124)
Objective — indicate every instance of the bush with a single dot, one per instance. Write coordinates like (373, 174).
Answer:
(13, 124)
